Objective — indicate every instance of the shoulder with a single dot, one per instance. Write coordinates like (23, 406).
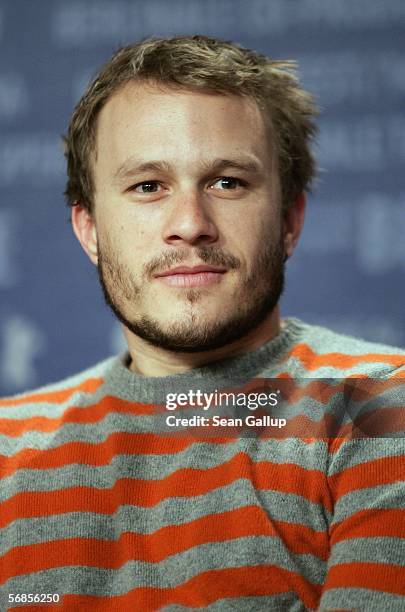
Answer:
(319, 351)
(43, 419)
(82, 383)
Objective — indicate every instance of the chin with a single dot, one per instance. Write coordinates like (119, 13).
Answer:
(193, 306)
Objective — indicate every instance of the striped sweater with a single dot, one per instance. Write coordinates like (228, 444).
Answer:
(101, 509)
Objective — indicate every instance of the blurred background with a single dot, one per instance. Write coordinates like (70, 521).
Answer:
(349, 270)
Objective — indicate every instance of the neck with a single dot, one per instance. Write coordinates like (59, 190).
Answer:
(149, 360)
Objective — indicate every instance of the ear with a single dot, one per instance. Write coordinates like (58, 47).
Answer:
(293, 221)
(85, 231)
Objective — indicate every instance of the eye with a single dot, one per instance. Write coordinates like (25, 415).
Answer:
(146, 187)
(228, 183)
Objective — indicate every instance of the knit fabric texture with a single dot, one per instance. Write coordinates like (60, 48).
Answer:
(104, 509)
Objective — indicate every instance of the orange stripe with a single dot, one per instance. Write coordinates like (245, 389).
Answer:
(155, 547)
(384, 470)
(102, 453)
(380, 522)
(95, 413)
(300, 426)
(186, 482)
(99, 454)
(82, 415)
(358, 387)
(373, 423)
(379, 422)
(379, 577)
(55, 397)
(201, 591)
(311, 360)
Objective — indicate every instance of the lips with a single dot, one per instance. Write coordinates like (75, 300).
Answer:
(194, 270)
(187, 277)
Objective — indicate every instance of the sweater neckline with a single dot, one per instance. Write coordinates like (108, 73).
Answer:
(259, 362)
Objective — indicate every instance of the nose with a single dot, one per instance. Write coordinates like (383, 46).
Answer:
(189, 220)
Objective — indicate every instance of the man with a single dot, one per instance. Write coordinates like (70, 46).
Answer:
(188, 160)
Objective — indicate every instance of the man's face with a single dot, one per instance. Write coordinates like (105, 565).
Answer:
(187, 215)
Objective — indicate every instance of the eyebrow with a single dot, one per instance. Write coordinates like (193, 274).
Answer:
(134, 166)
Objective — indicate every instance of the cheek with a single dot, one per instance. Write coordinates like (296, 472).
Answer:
(245, 234)
(126, 239)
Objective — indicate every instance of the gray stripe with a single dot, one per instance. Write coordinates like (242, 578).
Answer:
(52, 410)
(355, 452)
(295, 368)
(133, 422)
(172, 571)
(106, 477)
(390, 495)
(113, 423)
(80, 400)
(361, 599)
(207, 454)
(308, 405)
(92, 433)
(173, 511)
(272, 603)
(369, 549)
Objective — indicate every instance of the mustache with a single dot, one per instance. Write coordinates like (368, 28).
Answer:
(207, 255)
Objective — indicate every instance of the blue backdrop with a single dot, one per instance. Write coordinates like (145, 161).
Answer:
(348, 272)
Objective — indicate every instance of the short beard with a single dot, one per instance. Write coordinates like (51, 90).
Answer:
(253, 303)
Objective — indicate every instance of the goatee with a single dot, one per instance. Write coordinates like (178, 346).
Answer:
(252, 302)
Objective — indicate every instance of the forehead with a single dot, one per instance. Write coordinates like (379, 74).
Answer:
(151, 120)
